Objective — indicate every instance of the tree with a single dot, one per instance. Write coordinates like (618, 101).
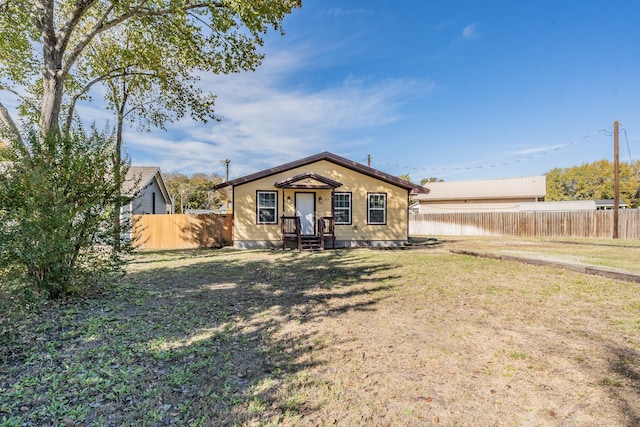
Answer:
(5, 153)
(195, 192)
(147, 54)
(424, 181)
(405, 176)
(593, 181)
(56, 201)
(58, 49)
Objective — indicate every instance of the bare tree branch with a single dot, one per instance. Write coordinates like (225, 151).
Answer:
(22, 98)
(84, 41)
(9, 124)
(103, 25)
(64, 34)
(114, 74)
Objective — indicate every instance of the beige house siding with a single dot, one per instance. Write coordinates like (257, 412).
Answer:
(482, 195)
(473, 205)
(248, 233)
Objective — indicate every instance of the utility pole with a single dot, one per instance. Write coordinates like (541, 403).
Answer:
(226, 179)
(616, 178)
(226, 163)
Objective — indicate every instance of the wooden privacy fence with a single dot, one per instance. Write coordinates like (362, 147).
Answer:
(181, 231)
(588, 224)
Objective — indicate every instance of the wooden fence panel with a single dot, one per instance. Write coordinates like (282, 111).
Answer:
(587, 224)
(181, 231)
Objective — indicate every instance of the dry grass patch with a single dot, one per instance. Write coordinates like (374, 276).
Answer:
(345, 338)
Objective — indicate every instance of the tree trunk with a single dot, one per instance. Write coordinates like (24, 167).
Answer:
(117, 168)
(53, 74)
(53, 88)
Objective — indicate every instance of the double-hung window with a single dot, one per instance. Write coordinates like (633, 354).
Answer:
(377, 208)
(266, 207)
(342, 208)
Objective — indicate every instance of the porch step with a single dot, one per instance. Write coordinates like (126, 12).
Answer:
(310, 243)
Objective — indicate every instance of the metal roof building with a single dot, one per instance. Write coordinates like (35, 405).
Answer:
(482, 195)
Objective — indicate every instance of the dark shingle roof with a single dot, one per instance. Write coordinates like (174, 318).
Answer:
(332, 158)
(138, 177)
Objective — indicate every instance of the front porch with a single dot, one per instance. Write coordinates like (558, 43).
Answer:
(308, 220)
(293, 234)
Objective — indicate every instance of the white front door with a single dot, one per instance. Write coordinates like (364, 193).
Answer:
(305, 207)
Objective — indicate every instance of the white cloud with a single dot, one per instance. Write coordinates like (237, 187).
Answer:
(543, 149)
(270, 117)
(470, 32)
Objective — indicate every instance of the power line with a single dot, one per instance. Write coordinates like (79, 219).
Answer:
(626, 138)
(628, 148)
(506, 163)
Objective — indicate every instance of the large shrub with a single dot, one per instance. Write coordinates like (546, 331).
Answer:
(58, 200)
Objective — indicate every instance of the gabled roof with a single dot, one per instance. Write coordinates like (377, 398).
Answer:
(294, 181)
(139, 177)
(332, 158)
(508, 188)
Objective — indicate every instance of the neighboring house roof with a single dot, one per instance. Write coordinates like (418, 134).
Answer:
(508, 188)
(609, 203)
(329, 157)
(139, 177)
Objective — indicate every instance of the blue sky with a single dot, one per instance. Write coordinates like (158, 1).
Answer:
(453, 89)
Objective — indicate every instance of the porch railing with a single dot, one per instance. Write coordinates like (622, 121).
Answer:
(326, 229)
(291, 229)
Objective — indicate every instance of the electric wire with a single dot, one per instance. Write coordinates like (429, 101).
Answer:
(626, 138)
(576, 141)
(628, 147)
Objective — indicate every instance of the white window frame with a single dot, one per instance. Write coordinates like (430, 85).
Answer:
(383, 197)
(348, 208)
(260, 207)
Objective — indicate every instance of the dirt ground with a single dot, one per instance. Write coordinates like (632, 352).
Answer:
(477, 343)
(348, 337)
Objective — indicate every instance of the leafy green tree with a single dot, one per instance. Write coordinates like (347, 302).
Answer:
(204, 196)
(147, 54)
(58, 49)
(56, 199)
(424, 181)
(5, 153)
(405, 176)
(593, 181)
(194, 192)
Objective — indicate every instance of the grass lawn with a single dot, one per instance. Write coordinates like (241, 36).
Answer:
(346, 337)
(610, 254)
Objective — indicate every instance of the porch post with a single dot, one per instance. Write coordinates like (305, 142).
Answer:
(333, 219)
(284, 203)
(333, 190)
